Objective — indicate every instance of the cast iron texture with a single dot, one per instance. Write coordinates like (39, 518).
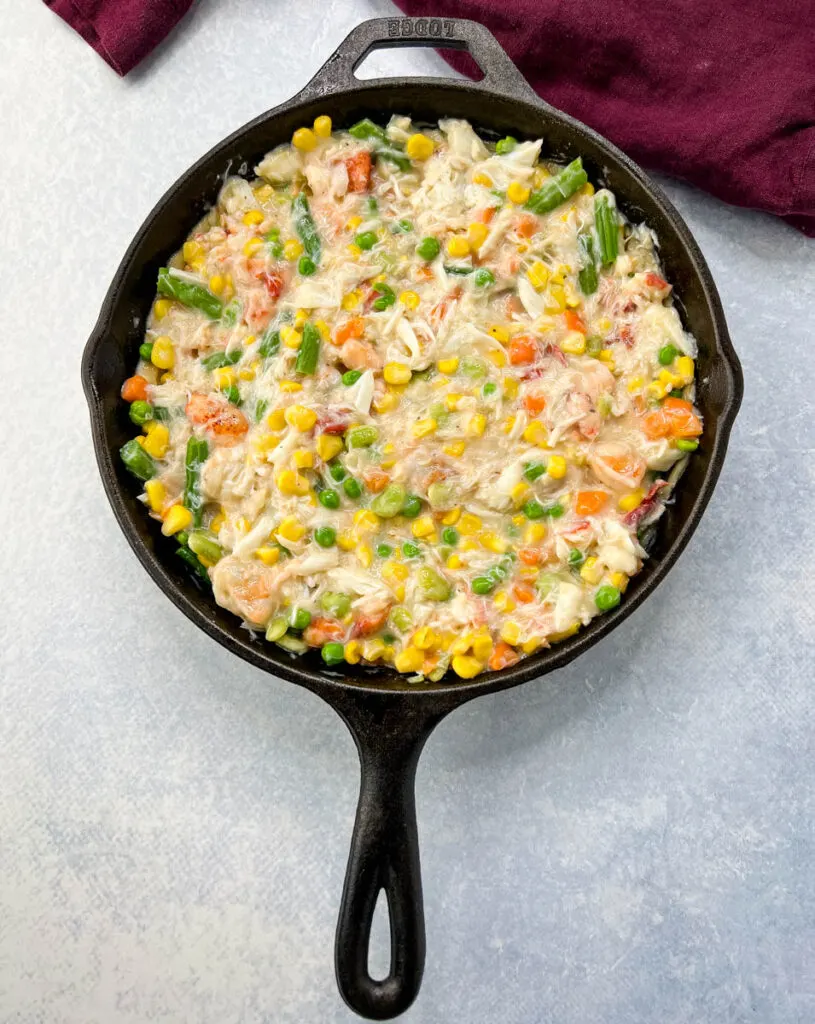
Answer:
(390, 719)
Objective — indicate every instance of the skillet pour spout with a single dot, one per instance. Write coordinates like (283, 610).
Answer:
(389, 718)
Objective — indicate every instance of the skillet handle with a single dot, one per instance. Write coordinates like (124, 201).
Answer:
(500, 73)
(390, 731)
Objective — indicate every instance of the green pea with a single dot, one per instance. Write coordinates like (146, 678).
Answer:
(433, 586)
(450, 535)
(351, 377)
(366, 239)
(338, 605)
(389, 503)
(336, 471)
(484, 278)
(554, 511)
(137, 460)
(505, 145)
(276, 628)
(306, 266)
(683, 444)
(429, 248)
(489, 389)
(402, 227)
(383, 302)
(533, 470)
(667, 354)
(333, 653)
(412, 506)
(384, 550)
(146, 350)
(361, 437)
(299, 618)
(472, 366)
(351, 487)
(411, 550)
(576, 557)
(482, 585)
(140, 412)
(594, 344)
(533, 510)
(329, 498)
(606, 598)
(326, 536)
(401, 618)
(272, 235)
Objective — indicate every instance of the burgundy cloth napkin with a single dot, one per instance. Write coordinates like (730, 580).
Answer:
(123, 32)
(718, 92)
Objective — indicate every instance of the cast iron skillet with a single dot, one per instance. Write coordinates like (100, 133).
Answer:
(390, 719)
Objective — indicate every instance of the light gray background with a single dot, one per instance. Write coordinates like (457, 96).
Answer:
(628, 840)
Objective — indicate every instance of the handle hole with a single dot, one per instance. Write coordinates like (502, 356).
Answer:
(379, 943)
(411, 61)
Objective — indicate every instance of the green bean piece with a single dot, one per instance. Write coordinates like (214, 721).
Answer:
(188, 293)
(326, 536)
(269, 343)
(433, 586)
(309, 351)
(389, 503)
(412, 506)
(352, 488)
(219, 359)
(299, 619)
(361, 437)
(193, 562)
(558, 189)
(146, 350)
(338, 605)
(605, 223)
(429, 248)
(232, 394)
(587, 276)
(366, 129)
(272, 240)
(351, 377)
(197, 452)
(546, 583)
(140, 412)
(261, 406)
(305, 227)
(333, 653)
(606, 598)
(204, 544)
(505, 145)
(457, 270)
(140, 463)
(393, 156)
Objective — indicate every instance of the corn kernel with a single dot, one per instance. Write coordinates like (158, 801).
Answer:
(423, 527)
(503, 602)
(657, 390)
(452, 517)
(290, 482)
(351, 300)
(492, 542)
(252, 217)
(538, 275)
(574, 343)
(292, 250)
(157, 441)
(511, 633)
(466, 667)
(454, 562)
(163, 354)
(684, 368)
(394, 572)
(558, 299)
(217, 523)
(397, 373)
(499, 333)
(455, 449)
(425, 639)
(497, 357)
(410, 659)
(354, 250)
(510, 388)
(479, 178)
(365, 555)
(386, 403)
(419, 147)
(482, 646)
(628, 502)
(365, 519)
(353, 652)
(291, 529)
(461, 644)
(268, 555)
(346, 540)
(252, 246)
(519, 493)
(353, 223)
(477, 424)
(155, 491)
(591, 571)
(469, 524)
(322, 126)
(225, 377)
(606, 355)
(328, 446)
(176, 518)
(556, 467)
(304, 139)
(303, 459)
(517, 193)
(536, 433)
(290, 337)
(469, 544)
(161, 307)
(458, 247)
(263, 193)
(635, 384)
(534, 533)
(300, 417)
(619, 580)
(540, 176)
(421, 428)
(448, 366)
(192, 251)
(531, 645)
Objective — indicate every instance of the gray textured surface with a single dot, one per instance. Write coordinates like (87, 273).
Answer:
(628, 840)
